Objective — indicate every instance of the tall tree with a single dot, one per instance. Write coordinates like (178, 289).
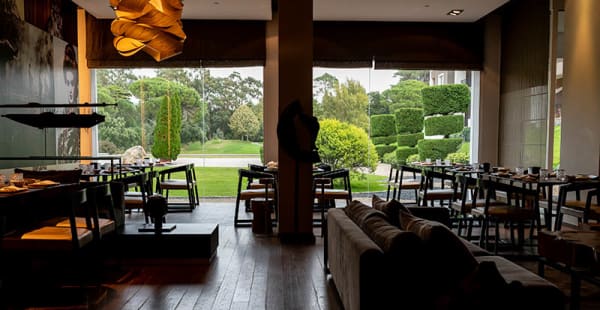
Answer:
(348, 104)
(376, 104)
(243, 122)
(419, 75)
(405, 94)
(167, 134)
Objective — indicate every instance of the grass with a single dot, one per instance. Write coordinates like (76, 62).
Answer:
(222, 182)
(222, 147)
(556, 153)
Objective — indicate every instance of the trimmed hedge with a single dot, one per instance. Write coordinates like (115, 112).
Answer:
(383, 125)
(444, 125)
(445, 99)
(384, 149)
(403, 152)
(410, 139)
(384, 140)
(409, 120)
(437, 148)
(467, 134)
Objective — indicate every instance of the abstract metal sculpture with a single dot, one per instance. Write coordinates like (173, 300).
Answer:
(153, 26)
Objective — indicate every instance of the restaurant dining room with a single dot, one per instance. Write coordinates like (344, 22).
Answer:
(469, 181)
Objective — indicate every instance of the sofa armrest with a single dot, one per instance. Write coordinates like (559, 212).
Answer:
(354, 261)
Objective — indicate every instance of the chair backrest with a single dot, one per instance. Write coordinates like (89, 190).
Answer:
(249, 175)
(576, 187)
(431, 176)
(342, 175)
(516, 194)
(60, 176)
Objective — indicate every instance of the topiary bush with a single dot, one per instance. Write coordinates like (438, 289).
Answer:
(343, 145)
(409, 120)
(402, 152)
(458, 157)
(167, 133)
(383, 125)
(384, 140)
(444, 125)
(437, 148)
(390, 158)
(412, 158)
(445, 99)
(384, 149)
(410, 139)
(466, 134)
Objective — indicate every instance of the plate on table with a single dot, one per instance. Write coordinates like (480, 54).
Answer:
(12, 189)
(42, 184)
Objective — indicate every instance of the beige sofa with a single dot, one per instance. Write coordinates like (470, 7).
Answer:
(377, 265)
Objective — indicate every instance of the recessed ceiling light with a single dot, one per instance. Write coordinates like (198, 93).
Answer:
(455, 12)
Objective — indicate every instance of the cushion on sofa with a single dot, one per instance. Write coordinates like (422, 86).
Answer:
(390, 238)
(359, 212)
(448, 256)
(391, 208)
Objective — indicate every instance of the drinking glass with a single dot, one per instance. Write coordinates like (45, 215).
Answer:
(16, 179)
(543, 174)
(447, 162)
(438, 162)
(428, 160)
(560, 174)
(519, 170)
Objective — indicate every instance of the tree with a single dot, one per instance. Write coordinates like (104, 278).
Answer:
(419, 75)
(349, 104)
(167, 134)
(405, 94)
(243, 122)
(343, 145)
(376, 104)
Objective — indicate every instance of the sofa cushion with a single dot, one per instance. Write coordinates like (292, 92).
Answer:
(390, 238)
(359, 212)
(449, 258)
(391, 208)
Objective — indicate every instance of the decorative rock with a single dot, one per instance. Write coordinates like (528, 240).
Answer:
(132, 154)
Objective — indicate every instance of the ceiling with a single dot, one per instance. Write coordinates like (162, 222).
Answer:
(333, 10)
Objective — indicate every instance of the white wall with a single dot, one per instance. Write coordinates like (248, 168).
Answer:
(580, 145)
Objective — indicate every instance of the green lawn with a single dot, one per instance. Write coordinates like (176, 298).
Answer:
(222, 147)
(556, 153)
(222, 182)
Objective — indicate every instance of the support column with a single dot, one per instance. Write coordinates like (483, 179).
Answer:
(289, 61)
(85, 84)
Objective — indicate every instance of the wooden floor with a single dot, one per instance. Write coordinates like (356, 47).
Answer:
(248, 272)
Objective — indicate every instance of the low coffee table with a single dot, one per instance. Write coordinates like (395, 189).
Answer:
(187, 240)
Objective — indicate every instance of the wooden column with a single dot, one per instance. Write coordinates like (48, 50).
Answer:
(288, 76)
(85, 83)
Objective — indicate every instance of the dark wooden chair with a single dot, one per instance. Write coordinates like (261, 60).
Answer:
(246, 192)
(167, 181)
(329, 187)
(576, 206)
(431, 188)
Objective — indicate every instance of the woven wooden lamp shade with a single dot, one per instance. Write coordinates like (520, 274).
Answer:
(152, 26)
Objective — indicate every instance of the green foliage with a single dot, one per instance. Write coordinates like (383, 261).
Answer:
(390, 158)
(167, 134)
(116, 131)
(348, 104)
(409, 120)
(444, 125)
(466, 134)
(384, 140)
(402, 152)
(383, 125)
(437, 148)
(419, 75)
(410, 139)
(384, 149)
(458, 157)
(405, 94)
(446, 99)
(108, 147)
(243, 122)
(377, 105)
(343, 145)
(412, 158)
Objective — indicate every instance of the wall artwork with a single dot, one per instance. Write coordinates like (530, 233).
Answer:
(34, 67)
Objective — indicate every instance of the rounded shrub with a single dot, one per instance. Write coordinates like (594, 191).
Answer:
(383, 125)
(412, 158)
(444, 125)
(437, 148)
(409, 120)
(384, 140)
(446, 99)
(343, 145)
(384, 149)
(402, 152)
(459, 157)
(410, 139)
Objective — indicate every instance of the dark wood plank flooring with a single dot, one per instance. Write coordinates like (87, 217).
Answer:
(249, 272)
